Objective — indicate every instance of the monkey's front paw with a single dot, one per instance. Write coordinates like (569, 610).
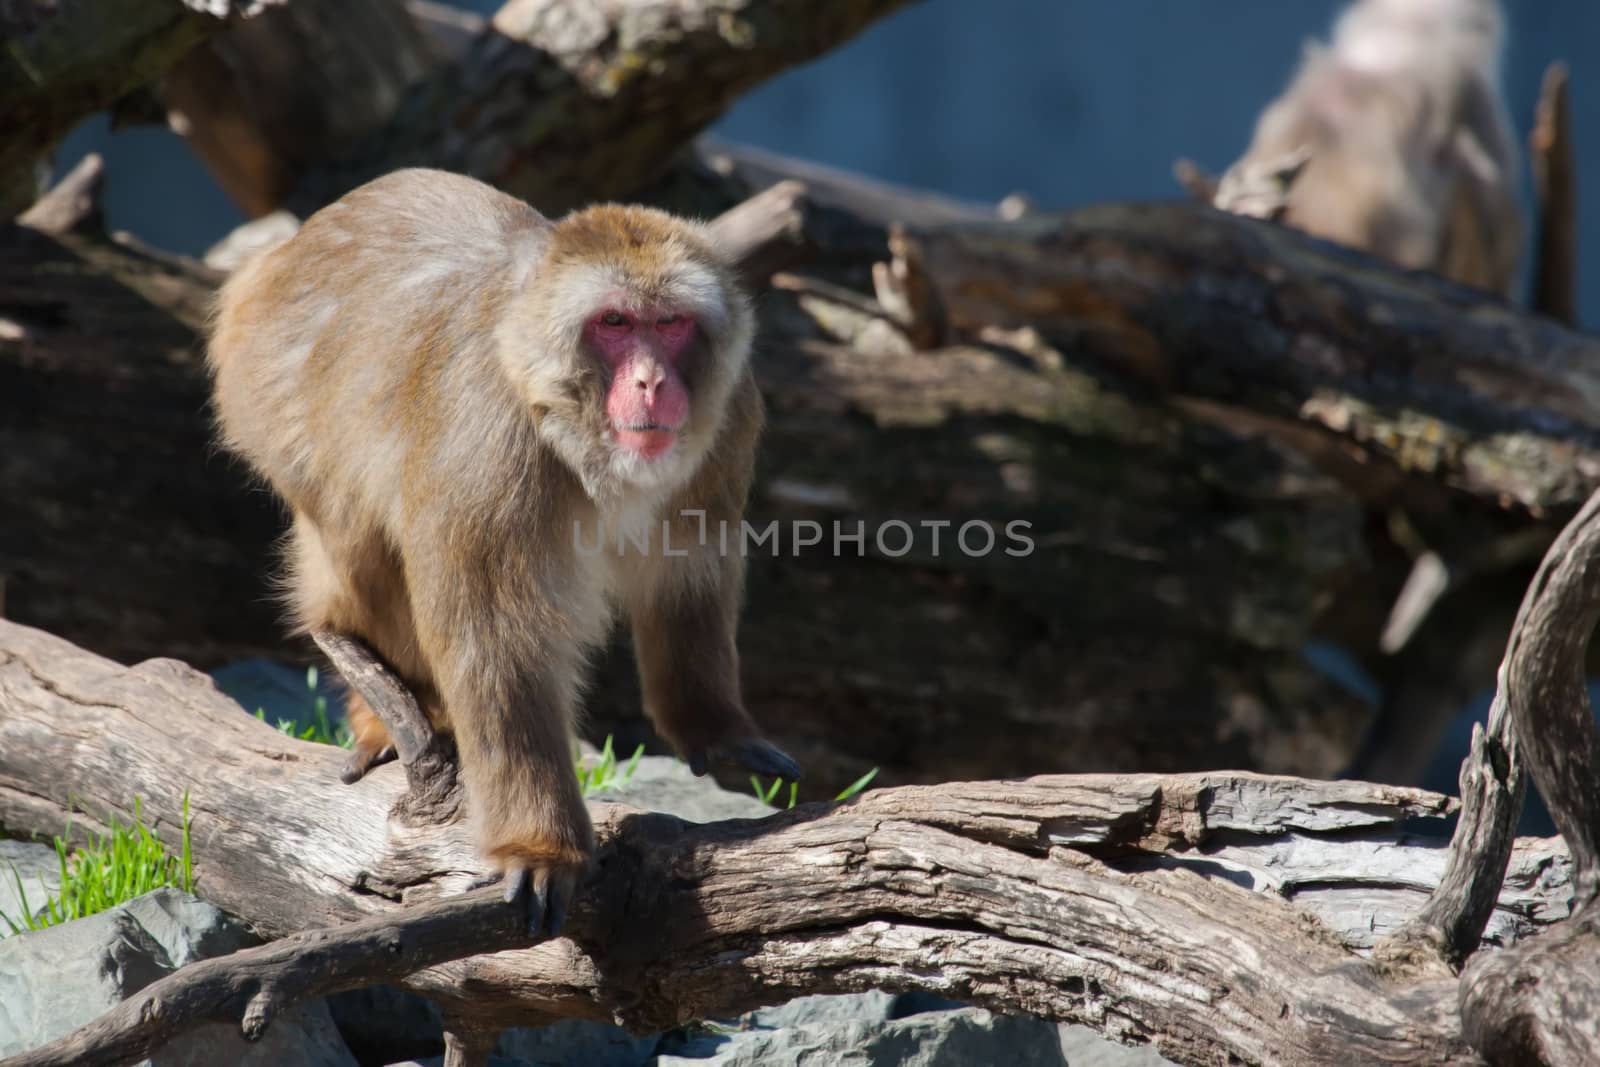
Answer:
(754, 754)
(549, 889)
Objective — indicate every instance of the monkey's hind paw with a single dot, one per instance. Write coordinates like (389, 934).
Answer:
(549, 893)
(756, 755)
(362, 759)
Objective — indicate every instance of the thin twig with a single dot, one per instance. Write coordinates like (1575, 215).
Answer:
(1556, 190)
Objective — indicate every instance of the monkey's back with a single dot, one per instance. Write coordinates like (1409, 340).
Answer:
(342, 355)
(1411, 154)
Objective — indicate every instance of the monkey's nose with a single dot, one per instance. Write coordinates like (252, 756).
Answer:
(647, 378)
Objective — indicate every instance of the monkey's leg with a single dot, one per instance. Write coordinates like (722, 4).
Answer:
(683, 638)
(509, 689)
(372, 745)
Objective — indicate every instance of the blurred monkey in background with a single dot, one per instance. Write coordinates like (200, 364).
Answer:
(1395, 139)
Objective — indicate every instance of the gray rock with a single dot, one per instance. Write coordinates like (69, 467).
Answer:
(957, 1038)
(438, 1061)
(1084, 1047)
(816, 1011)
(385, 1024)
(574, 1043)
(39, 872)
(661, 783)
(56, 979)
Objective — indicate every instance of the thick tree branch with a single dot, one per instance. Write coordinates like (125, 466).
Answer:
(1113, 900)
(1538, 1002)
(62, 62)
(262, 103)
(1492, 785)
(562, 102)
(1548, 694)
(1541, 697)
(72, 202)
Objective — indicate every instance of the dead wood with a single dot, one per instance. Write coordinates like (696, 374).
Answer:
(428, 757)
(1200, 184)
(1538, 1002)
(72, 202)
(1555, 183)
(562, 102)
(63, 62)
(267, 100)
(1210, 915)
(1325, 336)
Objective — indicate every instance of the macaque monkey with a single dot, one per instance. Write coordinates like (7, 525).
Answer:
(1394, 139)
(455, 396)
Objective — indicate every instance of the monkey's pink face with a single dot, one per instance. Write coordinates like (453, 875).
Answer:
(648, 401)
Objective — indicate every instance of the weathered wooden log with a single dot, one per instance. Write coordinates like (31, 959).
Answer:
(63, 62)
(1212, 916)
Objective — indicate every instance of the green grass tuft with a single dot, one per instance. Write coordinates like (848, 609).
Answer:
(604, 774)
(320, 729)
(126, 862)
(767, 794)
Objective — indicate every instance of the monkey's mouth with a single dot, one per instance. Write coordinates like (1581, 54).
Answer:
(646, 439)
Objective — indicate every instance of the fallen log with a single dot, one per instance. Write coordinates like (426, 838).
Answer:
(1210, 915)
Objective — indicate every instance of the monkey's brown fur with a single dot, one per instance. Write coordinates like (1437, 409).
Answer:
(1395, 140)
(407, 373)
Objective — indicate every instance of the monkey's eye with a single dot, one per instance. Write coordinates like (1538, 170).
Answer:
(613, 319)
(669, 320)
